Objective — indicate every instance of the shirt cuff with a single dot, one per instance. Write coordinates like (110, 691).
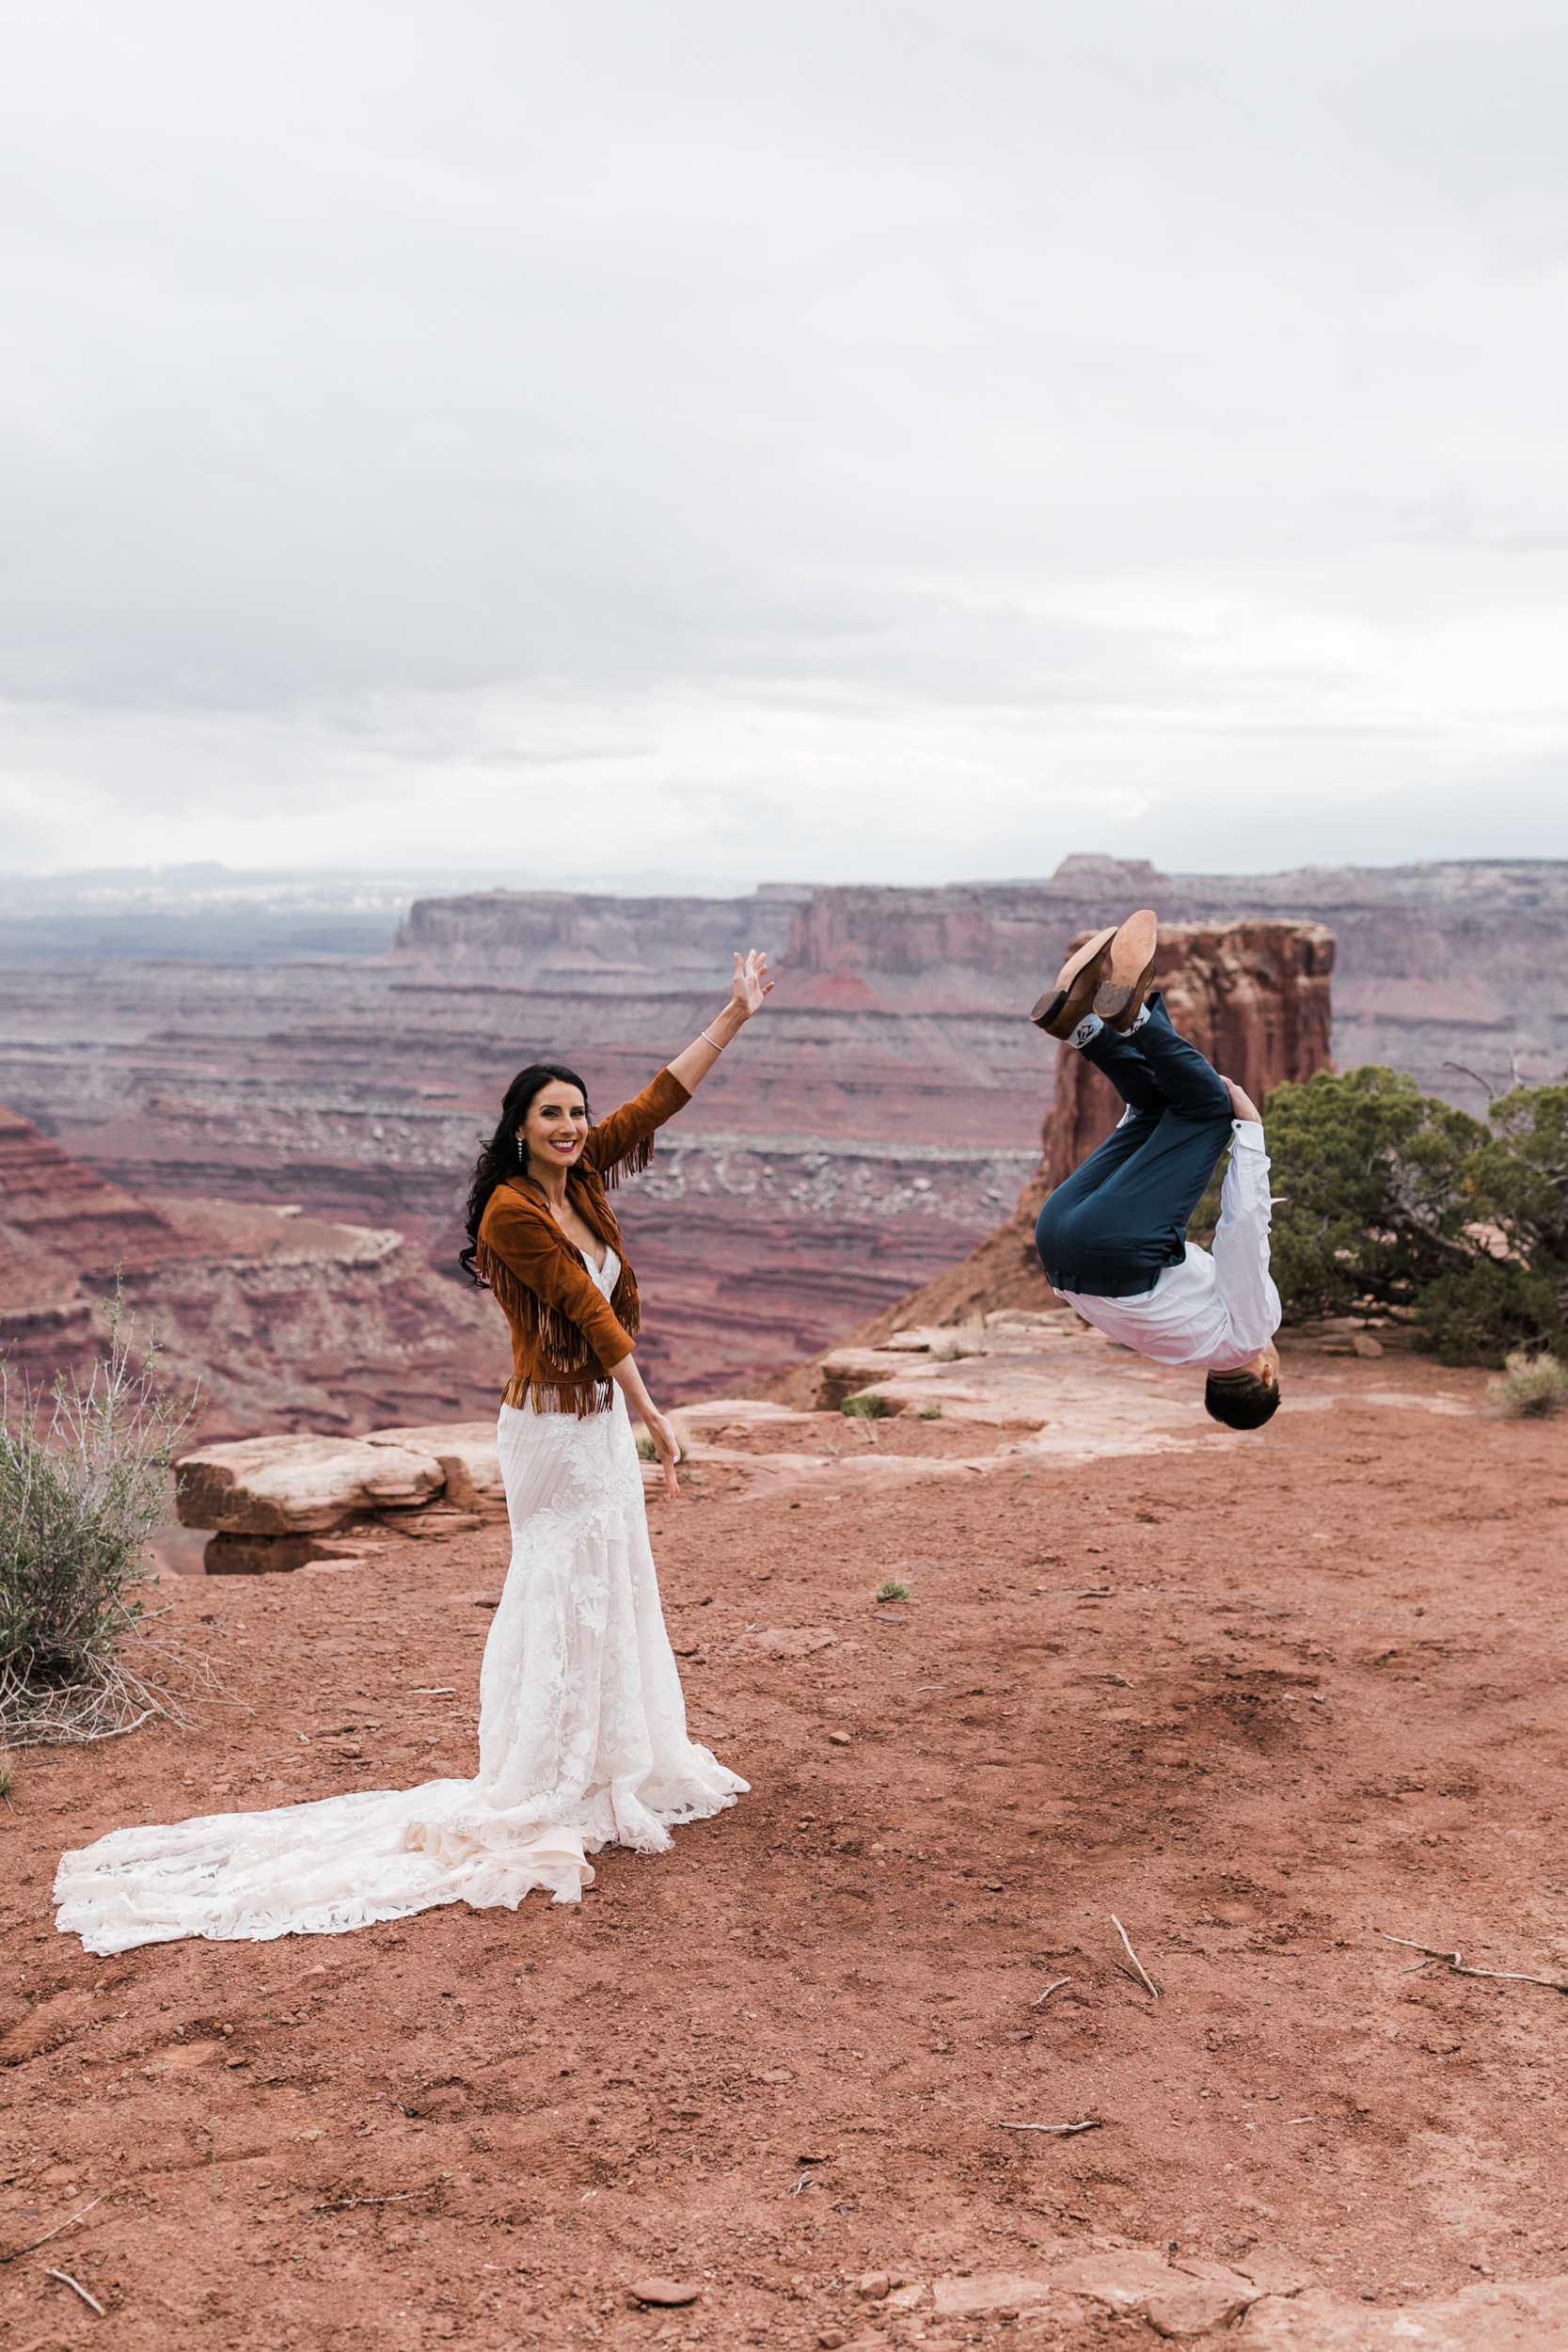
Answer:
(1248, 1134)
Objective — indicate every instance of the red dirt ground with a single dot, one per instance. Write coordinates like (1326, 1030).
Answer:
(1321, 1699)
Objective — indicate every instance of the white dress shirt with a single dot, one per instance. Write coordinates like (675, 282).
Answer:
(1217, 1307)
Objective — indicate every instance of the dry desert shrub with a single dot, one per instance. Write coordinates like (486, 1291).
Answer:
(1531, 1387)
(84, 1473)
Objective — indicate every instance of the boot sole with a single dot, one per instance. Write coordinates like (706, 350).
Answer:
(1128, 968)
(1050, 1008)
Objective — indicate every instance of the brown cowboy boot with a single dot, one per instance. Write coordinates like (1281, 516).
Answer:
(1127, 970)
(1060, 1013)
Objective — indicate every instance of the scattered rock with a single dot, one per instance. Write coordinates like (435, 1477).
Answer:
(839, 1738)
(873, 2286)
(667, 2293)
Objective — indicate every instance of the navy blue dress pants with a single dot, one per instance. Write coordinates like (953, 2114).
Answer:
(1111, 1229)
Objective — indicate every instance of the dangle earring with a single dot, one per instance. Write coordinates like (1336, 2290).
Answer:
(522, 1157)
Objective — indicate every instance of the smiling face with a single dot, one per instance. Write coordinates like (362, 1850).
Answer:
(555, 1129)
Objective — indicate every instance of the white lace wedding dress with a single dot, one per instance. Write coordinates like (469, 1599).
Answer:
(581, 1744)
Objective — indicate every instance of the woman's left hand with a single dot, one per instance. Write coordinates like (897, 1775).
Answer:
(752, 983)
(666, 1445)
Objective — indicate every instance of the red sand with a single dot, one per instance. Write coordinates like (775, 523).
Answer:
(1321, 1699)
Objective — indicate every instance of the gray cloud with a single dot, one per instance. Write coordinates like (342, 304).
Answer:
(891, 439)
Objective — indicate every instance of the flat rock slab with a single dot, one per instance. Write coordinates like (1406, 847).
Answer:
(468, 1454)
(1137, 2282)
(988, 2291)
(1523, 2316)
(667, 2293)
(1189, 2308)
(1225, 2304)
(300, 1486)
(1123, 2280)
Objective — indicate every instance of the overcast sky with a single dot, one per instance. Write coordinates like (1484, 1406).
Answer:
(877, 441)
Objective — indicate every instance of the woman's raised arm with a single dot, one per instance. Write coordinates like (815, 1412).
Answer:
(752, 984)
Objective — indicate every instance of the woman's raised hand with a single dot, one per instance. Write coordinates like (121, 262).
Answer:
(752, 983)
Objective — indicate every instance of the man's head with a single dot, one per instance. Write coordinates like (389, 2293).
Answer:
(1247, 1397)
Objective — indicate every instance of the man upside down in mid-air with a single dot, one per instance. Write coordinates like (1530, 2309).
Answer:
(1113, 1238)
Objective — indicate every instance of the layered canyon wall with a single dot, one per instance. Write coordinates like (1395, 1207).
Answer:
(864, 1135)
(270, 1320)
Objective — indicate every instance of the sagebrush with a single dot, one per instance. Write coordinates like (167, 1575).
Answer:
(83, 1474)
(1534, 1386)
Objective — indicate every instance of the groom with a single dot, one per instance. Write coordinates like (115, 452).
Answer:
(1113, 1238)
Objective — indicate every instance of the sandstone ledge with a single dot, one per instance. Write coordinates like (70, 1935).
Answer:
(1267, 2300)
(280, 1503)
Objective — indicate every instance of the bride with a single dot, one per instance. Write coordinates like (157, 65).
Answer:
(582, 1736)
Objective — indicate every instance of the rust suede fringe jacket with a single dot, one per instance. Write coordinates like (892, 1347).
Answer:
(565, 1334)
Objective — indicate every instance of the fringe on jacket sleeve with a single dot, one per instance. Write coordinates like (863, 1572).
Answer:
(631, 1162)
(622, 1144)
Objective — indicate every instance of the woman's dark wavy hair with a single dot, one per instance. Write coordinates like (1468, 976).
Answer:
(498, 1160)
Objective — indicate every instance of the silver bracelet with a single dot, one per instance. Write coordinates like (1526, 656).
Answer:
(710, 1040)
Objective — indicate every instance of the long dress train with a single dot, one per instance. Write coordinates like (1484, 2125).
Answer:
(582, 1744)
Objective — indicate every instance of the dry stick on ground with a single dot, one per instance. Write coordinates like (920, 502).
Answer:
(1154, 1990)
(1455, 1962)
(345, 2204)
(1049, 1990)
(1063, 2131)
(31, 2248)
(77, 2288)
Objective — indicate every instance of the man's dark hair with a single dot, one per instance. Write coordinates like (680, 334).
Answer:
(1240, 1399)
